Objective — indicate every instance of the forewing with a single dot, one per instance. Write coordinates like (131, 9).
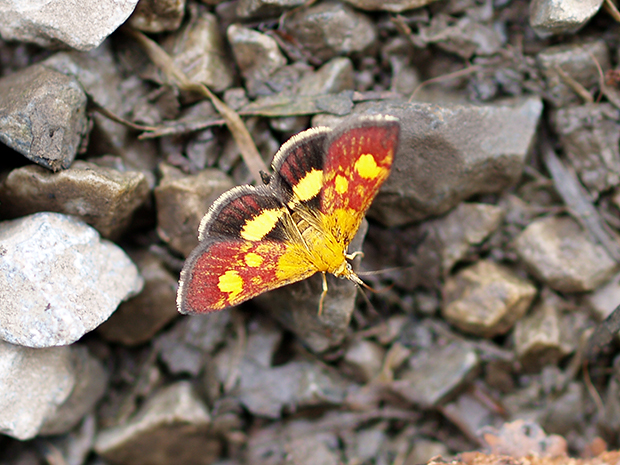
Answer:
(358, 160)
(247, 246)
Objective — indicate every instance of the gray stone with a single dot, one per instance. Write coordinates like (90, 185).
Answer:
(334, 76)
(559, 253)
(80, 25)
(590, 136)
(155, 16)
(363, 359)
(59, 280)
(171, 427)
(604, 299)
(138, 319)
(182, 201)
(260, 8)
(102, 197)
(435, 374)
(449, 153)
(471, 413)
(539, 337)
(486, 299)
(329, 29)
(198, 50)
(266, 391)
(580, 61)
(97, 72)
(468, 224)
(91, 383)
(548, 17)
(393, 6)
(43, 116)
(257, 55)
(73, 381)
(184, 346)
(424, 450)
(464, 37)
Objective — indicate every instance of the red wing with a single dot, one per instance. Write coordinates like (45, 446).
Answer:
(359, 158)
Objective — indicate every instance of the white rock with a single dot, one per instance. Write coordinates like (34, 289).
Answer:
(58, 279)
(82, 25)
(33, 384)
(47, 391)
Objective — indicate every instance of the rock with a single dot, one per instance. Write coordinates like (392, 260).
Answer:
(266, 391)
(184, 346)
(182, 201)
(102, 197)
(329, 29)
(363, 359)
(90, 385)
(310, 451)
(334, 76)
(257, 55)
(99, 75)
(138, 319)
(198, 50)
(565, 414)
(539, 337)
(74, 382)
(264, 8)
(559, 253)
(423, 451)
(171, 427)
(295, 443)
(468, 224)
(580, 61)
(394, 6)
(82, 26)
(465, 37)
(590, 135)
(153, 16)
(470, 413)
(77, 444)
(264, 338)
(365, 445)
(549, 17)
(486, 299)
(296, 306)
(43, 115)
(59, 279)
(435, 374)
(604, 299)
(449, 153)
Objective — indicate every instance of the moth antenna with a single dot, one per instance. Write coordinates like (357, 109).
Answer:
(384, 270)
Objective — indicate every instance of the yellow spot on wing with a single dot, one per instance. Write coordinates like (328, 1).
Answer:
(254, 260)
(309, 186)
(258, 227)
(231, 283)
(342, 185)
(366, 166)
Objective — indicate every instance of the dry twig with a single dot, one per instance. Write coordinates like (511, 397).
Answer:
(176, 77)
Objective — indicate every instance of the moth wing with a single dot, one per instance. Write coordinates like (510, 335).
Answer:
(221, 273)
(247, 246)
(358, 160)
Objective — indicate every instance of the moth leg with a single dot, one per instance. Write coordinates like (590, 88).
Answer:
(351, 256)
(323, 294)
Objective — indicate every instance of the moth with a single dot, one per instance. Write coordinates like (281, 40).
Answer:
(298, 223)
